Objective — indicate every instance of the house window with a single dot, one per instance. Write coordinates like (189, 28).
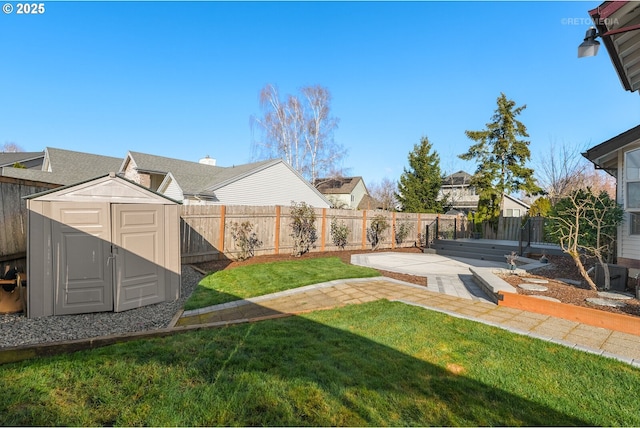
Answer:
(632, 180)
(513, 212)
(635, 224)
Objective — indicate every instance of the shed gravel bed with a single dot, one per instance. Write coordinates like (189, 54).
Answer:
(17, 330)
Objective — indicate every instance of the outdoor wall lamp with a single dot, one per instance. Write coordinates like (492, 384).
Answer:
(589, 47)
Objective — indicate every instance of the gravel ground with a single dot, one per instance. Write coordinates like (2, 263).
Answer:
(17, 330)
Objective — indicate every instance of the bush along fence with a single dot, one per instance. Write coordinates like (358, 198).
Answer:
(210, 232)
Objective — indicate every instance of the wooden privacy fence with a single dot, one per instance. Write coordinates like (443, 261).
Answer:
(206, 229)
(13, 215)
(530, 230)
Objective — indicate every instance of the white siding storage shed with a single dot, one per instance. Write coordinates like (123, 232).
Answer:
(106, 244)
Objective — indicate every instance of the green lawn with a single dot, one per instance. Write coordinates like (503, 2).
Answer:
(376, 364)
(265, 278)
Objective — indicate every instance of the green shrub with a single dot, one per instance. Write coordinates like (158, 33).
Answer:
(245, 239)
(374, 232)
(402, 230)
(304, 234)
(339, 233)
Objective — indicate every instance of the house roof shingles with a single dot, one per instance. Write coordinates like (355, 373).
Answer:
(459, 178)
(194, 177)
(337, 186)
(67, 167)
(10, 158)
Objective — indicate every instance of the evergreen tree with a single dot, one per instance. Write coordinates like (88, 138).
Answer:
(501, 154)
(419, 185)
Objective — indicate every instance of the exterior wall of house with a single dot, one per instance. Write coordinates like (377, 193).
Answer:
(174, 192)
(510, 207)
(461, 197)
(275, 185)
(142, 178)
(130, 172)
(628, 247)
(356, 196)
(340, 201)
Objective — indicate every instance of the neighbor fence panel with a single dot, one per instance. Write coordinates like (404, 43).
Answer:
(206, 229)
(13, 216)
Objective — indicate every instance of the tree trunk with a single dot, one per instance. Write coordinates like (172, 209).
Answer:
(576, 258)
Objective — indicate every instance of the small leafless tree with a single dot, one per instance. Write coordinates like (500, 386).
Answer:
(585, 223)
(11, 148)
(385, 193)
(564, 170)
(299, 130)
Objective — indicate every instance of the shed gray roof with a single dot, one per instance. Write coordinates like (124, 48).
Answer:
(110, 175)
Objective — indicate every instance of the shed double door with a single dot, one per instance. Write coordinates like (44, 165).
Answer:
(107, 257)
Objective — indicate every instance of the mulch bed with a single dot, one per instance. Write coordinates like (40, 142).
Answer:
(559, 267)
(563, 267)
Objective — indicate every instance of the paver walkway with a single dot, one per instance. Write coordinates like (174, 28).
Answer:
(622, 346)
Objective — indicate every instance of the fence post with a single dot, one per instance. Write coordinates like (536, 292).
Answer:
(276, 247)
(223, 211)
(426, 236)
(364, 229)
(455, 228)
(393, 230)
(324, 228)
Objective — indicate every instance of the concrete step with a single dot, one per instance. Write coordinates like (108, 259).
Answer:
(469, 255)
(473, 249)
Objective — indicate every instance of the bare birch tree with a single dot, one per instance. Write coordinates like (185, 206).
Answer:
(299, 130)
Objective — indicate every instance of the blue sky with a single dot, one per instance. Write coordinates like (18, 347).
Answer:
(181, 79)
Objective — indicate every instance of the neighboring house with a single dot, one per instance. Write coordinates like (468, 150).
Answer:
(463, 198)
(617, 25)
(459, 192)
(512, 207)
(368, 202)
(270, 182)
(343, 192)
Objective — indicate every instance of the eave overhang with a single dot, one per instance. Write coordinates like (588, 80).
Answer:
(605, 155)
(618, 23)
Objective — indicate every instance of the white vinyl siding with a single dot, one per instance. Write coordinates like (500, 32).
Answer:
(358, 193)
(628, 243)
(341, 201)
(632, 180)
(275, 185)
(512, 208)
(173, 191)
